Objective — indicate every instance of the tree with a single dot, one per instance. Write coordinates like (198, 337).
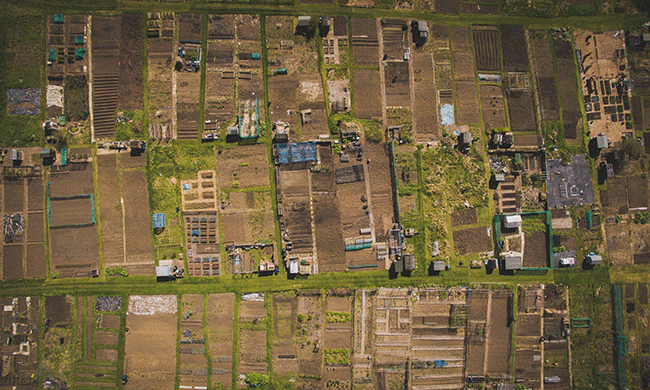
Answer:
(631, 148)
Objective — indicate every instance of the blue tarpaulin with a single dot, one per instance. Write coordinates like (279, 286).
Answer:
(447, 114)
(159, 221)
(297, 152)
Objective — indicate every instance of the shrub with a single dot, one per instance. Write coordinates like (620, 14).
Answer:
(114, 271)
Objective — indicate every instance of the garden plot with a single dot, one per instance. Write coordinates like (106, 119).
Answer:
(571, 114)
(499, 334)
(392, 315)
(193, 364)
(150, 345)
(309, 336)
(100, 352)
(160, 83)
(528, 360)
(242, 167)
(474, 240)
(483, 9)
(438, 323)
(74, 249)
(535, 241)
(542, 62)
(639, 240)
(295, 196)
(221, 312)
(365, 44)
(460, 38)
(283, 96)
(288, 49)
(67, 45)
(363, 336)
(337, 339)
(446, 7)
(614, 199)
(61, 354)
(367, 94)
(311, 103)
(425, 107)
(618, 244)
(220, 70)
(398, 92)
(464, 66)
(381, 193)
(467, 108)
(140, 259)
(285, 322)
(513, 40)
(111, 212)
(130, 60)
(555, 347)
(105, 67)
(486, 48)
(252, 334)
(21, 316)
(394, 39)
(493, 107)
(521, 109)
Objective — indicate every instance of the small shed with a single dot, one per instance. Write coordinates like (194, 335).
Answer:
(423, 29)
(499, 177)
(465, 138)
(345, 158)
(439, 266)
(409, 262)
(164, 272)
(399, 265)
(16, 155)
(159, 221)
(233, 131)
(47, 153)
(512, 262)
(601, 141)
(293, 267)
(512, 221)
(593, 259)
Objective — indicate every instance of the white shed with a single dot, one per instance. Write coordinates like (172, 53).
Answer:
(512, 221)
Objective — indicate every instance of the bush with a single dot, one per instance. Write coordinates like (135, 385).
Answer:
(254, 379)
(114, 271)
(337, 317)
(374, 134)
(337, 357)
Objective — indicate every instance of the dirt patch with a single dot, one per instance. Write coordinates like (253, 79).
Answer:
(58, 310)
(479, 9)
(543, 63)
(514, 49)
(637, 191)
(521, 109)
(571, 115)
(618, 244)
(499, 338)
(221, 311)
(71, 211)
(12, 262)
(486, 48)
(247, 166)
(35, 194)
(138, 226)
(446, 7)
(614, 198)
(468, 107)
(111, 210)
(35, 227)
(464, 217)
(535, 250)
(493, 107)
(130, 58)
(106, 355)
(74, 251)
(149, 344)
(473, 240)
(14, 195)
(106, 338)
(367, 94)
(460, 39)
(396, 75)
(36, 261)
(252, 358)
(464, 66)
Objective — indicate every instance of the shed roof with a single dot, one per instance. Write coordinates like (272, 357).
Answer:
(163, 271)
(465, 138)
(159, 220)
(297, 152)
(601, 141)
(439, 265)
(513, 262)
(409, 262)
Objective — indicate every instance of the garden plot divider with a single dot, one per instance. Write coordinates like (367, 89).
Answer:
(70, 197)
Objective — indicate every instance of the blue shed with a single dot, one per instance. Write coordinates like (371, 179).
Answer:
(159, 221)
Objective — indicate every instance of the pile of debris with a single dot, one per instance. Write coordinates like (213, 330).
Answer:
(14, 227)
(108, 303)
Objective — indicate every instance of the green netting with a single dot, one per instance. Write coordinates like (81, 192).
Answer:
(80, 54)
(58, 18)
(356, 247)
(588, 217)
(362, 266)
(79, 39)
(52, 56)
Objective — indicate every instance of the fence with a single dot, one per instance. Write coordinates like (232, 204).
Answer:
(69, 197)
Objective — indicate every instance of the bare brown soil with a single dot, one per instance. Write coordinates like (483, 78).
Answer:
(396, 75)
(460, 38)
(446, 7)
(464, 66)
(482, 9)
(329, 236)
(106, 355)
(614, 199)
(221, 311)
(14, 195)
(252, 358)
(499, 337)
(221, 26)
(464, 217)
(637, 192)
(12, 262)
(571, 115)
(248, 27)
(493, 106)
(190, 26)
(58, 310)
(472, 240)
(521, 110)
(138, 226)
(35, 194)
(106, 338)
(618, 244)
(536, 250)
(527, 139)
(150, 351)
(71, 211)
(35, 261)
(468, 106)
(425, 114)
(130, 63)
(367, 96)
(35, 227)
(543, 62)
(111, 210)
(514, 49)
(486, 48)
(246, 165)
